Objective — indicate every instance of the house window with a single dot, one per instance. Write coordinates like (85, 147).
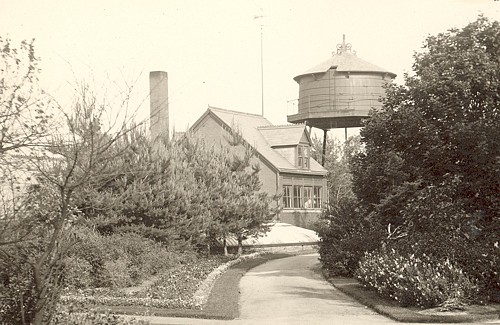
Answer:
(317, 197)
(303, 157)
(287, 196)
(308, 197)
(302, 197)
(297, 196)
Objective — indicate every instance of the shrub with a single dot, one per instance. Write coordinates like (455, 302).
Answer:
(438, 224)
(144, 256)
(116, 260)
(415, 281)
(345, 235)
(17, 286)
(78, 273)
(117, 272)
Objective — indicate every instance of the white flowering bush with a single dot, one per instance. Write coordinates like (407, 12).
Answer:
(416, 281)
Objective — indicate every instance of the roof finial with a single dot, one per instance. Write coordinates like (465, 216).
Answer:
(344, 47)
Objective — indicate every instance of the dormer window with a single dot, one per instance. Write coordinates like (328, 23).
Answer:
(303, 156)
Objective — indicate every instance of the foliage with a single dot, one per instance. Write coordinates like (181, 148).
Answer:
(415, 281)
(443, 121)
(337, 158)
(76, 155)
(343, 230)
(430, 172)
(242, 210)
(25, 110)
(182, 281)
(116, 260)
(457, 235)
(17, 286)
(180, 192)
(67, 316)
(29, 278)
(175, 287)
(342, 226)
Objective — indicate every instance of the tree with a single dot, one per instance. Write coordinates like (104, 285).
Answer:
(79, 155)
(180, 192)
(237, 206)
(25, 110)
(444, 121)
(432, 156)
(337, 159)
(25, 121)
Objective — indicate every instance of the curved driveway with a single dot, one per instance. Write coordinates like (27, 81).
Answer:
(291, 291)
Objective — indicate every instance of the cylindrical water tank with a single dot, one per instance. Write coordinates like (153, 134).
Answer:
(339, 92)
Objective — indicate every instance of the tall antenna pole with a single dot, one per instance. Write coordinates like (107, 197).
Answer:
(262, 67)
(261, 16)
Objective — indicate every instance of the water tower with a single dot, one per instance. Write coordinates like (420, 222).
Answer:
(340, 92)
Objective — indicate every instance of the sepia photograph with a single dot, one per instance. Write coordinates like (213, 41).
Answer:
(249, 162)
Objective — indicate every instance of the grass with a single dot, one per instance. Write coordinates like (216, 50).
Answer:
(223, 300)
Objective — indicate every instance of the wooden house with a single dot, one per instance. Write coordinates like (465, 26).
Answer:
(284, 156)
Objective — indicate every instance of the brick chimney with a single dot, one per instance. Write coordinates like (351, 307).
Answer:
(158, 87)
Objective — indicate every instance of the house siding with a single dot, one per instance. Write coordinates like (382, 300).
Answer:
(212, 130)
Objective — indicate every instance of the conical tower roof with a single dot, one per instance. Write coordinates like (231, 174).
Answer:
(344, 60)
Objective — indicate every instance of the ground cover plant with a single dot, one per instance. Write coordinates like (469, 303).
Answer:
(174, 287)
(72, 317)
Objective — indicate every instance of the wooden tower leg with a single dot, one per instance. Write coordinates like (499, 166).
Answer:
(324, 147)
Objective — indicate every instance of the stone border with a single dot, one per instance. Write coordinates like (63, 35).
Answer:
(201, 295)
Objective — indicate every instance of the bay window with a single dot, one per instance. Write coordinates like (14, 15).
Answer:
(299, 197)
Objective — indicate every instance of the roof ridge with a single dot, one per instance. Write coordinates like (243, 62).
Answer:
(233, 111)
(282, 126)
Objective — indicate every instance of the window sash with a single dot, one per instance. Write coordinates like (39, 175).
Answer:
(308, 195)
(317, 196)
(297, 196)
(303, 157)
(287, 196)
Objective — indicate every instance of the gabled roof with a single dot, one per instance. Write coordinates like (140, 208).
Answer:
(250, 127)
(345, 62)
(283, 135)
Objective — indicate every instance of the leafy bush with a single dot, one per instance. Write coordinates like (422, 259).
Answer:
(117, 260)
(415, 281)
(78, 273)
(17, 286)
(345, 235)
(438, 224)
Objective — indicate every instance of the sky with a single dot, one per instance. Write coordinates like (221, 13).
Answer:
(212, 49)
